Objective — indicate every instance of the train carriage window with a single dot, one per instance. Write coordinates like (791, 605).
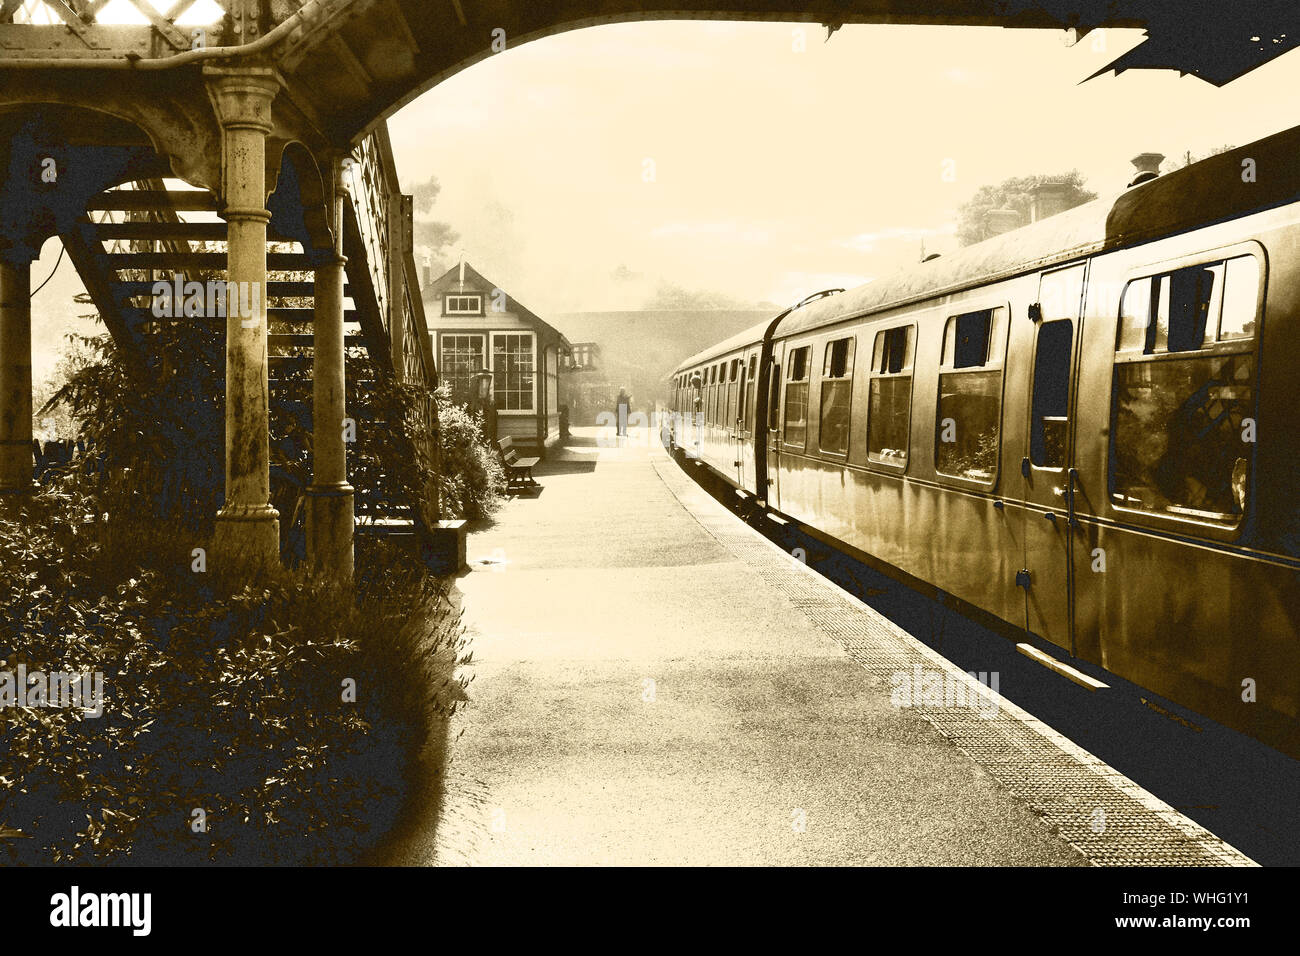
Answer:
(720, 402)
(774, 397)
(749, 412)
(1181, 302)
(722, 394)
(796, 397)
(1134, 315)
(733, 392)
(970, 395)
(1049, 421)
(740, 398)
(721, 416)
(1240, 299)
(889, 405)
(836, 396)
(1179, 445)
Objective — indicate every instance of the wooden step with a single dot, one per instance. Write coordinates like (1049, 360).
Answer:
(137, 314)
(275, 289)
(363, 384)
(285, 340)
(189, 200)
(196, 231)
(191, 231)
(186, 261)
(306, 316)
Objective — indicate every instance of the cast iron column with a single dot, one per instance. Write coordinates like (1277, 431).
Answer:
(16, 465)
(329, 499)
(248, 528)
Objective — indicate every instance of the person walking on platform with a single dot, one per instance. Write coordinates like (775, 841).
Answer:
(623, 407)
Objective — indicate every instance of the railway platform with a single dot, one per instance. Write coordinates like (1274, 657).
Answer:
(657, 683)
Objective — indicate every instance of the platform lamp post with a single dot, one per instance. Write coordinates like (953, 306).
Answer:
(485, 404)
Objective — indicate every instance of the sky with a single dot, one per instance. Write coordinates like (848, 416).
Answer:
(760, 161)
(780, 171)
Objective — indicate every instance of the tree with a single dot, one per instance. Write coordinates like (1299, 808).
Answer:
(438, 239)
(673, 297)
(1189, 157)
(1014, 193)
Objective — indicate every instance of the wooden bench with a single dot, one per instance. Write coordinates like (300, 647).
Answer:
(519, 471)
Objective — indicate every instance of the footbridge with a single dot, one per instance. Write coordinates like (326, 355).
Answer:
(244, 141)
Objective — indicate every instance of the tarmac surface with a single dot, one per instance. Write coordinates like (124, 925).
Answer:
(655, 683)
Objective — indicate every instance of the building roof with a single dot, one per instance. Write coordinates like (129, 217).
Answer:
(476, 282)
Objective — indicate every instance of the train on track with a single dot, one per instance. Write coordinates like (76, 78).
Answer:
(1086, 428)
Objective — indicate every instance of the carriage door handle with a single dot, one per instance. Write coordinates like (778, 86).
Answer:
(1067, 495)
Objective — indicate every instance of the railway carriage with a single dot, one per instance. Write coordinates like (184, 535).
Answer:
(1086, 428)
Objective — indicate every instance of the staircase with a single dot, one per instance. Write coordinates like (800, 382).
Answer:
(140, 233)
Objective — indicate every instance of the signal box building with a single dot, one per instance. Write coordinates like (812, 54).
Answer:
(477, 325)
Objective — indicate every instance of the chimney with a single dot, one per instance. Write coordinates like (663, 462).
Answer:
(1147, 166)
(998, 221)
(1047, 199)
(428, 274)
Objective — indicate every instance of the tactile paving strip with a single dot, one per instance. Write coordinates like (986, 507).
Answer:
(1102, 813)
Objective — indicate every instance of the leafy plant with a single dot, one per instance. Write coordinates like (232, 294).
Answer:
(472, 481)
(223, 698)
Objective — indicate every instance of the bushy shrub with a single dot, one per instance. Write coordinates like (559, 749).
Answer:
(472, 481)
(227, 699)
(155, 426)
(221, 696)
(157, 433)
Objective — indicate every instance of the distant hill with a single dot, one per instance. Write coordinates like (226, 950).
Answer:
(650, 344)
(638, 351)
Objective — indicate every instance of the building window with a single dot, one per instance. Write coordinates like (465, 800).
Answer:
(970, 395)
(512, 370)
(836, 396)
(889, 408)
(1184, 385)
(582, 355)
(462, 356)
(796, 397)
(462, 305)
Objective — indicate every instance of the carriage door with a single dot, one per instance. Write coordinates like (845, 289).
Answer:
(746, 427)
(774, 379)
(1048, 468)
(738, 425)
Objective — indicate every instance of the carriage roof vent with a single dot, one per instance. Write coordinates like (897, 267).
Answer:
(1147, 166)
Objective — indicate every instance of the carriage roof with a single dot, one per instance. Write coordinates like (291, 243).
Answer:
(1213, 190)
